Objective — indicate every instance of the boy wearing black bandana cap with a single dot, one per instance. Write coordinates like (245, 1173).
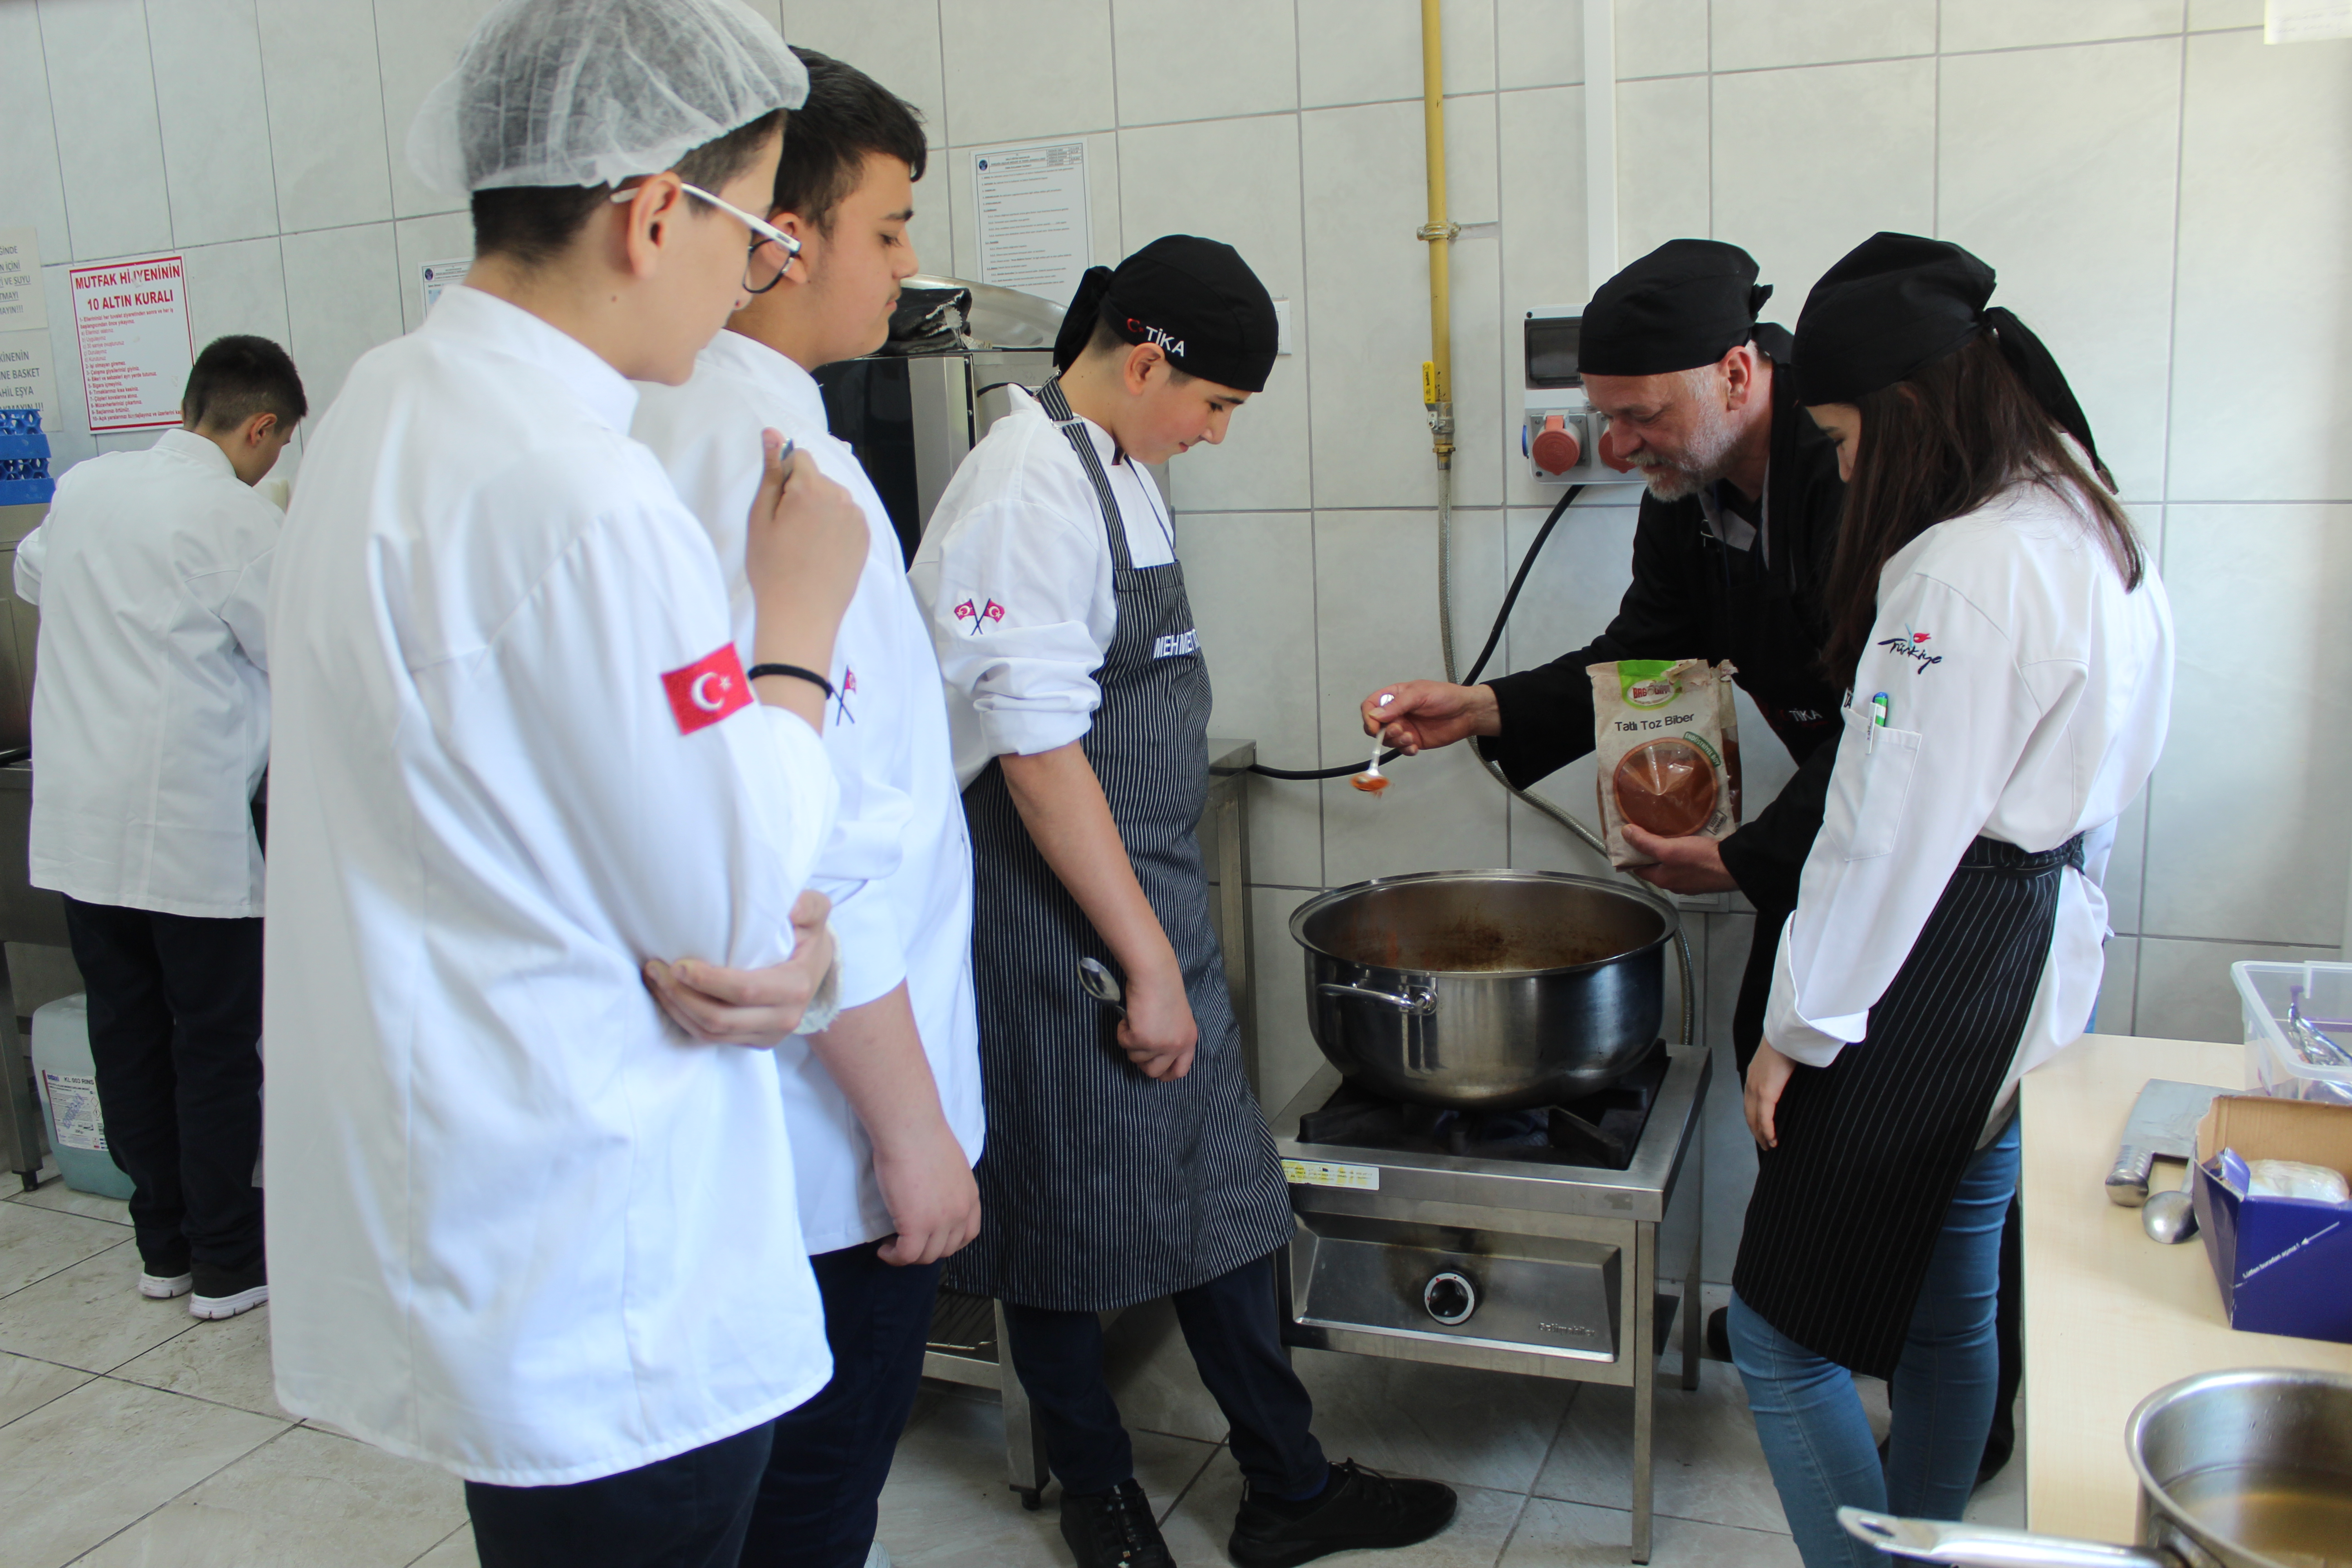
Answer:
(1126, 1158)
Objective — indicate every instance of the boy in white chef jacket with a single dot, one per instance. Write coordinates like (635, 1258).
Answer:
(884, 1107)
(524, 1227)
(151, 723)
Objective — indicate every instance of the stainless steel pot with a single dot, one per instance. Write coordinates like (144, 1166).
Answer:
(2237, 1470)
(1486, 990)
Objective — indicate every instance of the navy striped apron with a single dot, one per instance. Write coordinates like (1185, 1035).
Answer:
(1100, 1188)
(1847, 1210)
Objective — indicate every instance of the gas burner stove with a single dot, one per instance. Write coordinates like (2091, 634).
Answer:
(1527, 1241)
(1602, 1129)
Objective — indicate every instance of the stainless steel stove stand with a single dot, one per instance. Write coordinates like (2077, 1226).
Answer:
(1505, 1265)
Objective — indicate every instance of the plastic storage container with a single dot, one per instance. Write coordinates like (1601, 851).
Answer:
(69, 1085)
(2287, 1061)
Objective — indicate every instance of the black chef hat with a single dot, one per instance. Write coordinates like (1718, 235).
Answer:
(1898, 302)
(1686, 303)
(1196, 298)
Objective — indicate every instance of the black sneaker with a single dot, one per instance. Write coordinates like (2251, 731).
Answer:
(225, 1292)
(1115, 1529)
(1360, 1509)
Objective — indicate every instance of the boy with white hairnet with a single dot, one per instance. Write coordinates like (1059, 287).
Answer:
(523, 1226)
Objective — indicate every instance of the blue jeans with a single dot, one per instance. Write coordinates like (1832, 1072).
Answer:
(1810, 1419)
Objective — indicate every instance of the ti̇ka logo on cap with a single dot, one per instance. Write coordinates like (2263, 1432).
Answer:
(979, 616)
(704, 692)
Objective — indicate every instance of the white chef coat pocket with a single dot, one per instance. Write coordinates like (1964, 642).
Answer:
(1870, 785)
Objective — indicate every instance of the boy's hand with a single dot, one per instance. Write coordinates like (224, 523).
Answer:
(1158, 1033)
(931, 1196)
(758, 1007)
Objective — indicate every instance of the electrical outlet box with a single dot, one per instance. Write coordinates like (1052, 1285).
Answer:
(1563, 439)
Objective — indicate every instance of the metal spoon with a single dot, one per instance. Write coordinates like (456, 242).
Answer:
(1101, 984)
(2169, 1217)
(1369, 781)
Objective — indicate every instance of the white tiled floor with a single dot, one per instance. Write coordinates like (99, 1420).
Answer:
(132, 1434)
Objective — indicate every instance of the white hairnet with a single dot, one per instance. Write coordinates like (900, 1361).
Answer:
(591, 92)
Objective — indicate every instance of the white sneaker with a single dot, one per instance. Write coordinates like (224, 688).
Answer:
(875, 1557)
(163, 1287)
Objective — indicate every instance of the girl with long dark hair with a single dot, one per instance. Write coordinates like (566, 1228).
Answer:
(2007, 652)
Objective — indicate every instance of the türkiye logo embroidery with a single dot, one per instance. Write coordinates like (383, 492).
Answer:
(979, 616)
(1912, 646)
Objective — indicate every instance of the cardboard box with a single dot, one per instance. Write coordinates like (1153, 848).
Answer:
(2284, 1264)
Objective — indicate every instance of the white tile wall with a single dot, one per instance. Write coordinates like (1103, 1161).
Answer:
(1202, 59)
(1664, 165)
(1367, 328)
(896, 42)
(1042, 67)
(2015, 24)
(2248, 804)
(109, 148)
(34, 192)
(416, 43)
(1852, 150)
(342, 298)
(1368, 51)
(1756, 34)
(1237, 181)
(2265, 271)
(209, 98)
(1661, 37)
(328, 140)
(2060, 163)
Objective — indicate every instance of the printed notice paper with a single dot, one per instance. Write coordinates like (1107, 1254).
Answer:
(131, 321)
(437, 276)
(23, 304)
(1036, 233)
(2305, 21)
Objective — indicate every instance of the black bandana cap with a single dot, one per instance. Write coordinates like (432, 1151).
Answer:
(1898, 303)
(1196, 298)
(1686, 304)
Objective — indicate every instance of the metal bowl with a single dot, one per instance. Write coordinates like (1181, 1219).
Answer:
(1486, 990)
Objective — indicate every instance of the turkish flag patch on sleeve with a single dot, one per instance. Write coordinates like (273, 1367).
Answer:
(706, 691)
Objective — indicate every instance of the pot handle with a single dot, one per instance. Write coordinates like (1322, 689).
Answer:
(1417, 1000)
(1986, 1546)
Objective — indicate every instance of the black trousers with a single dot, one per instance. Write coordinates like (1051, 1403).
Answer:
(816, 1506)
(175, 1031)
(1232, 1328)
(686, 1511)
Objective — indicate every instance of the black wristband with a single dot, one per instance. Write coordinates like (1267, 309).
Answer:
(797, 673)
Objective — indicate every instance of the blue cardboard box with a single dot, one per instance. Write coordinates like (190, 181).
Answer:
(2284, 1264)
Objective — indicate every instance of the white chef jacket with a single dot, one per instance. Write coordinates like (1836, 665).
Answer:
(150, 712)
(898, 864)
(1015, 573)
(520, 1225)
(2030, 695)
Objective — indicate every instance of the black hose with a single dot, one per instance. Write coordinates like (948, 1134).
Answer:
(1494, 637)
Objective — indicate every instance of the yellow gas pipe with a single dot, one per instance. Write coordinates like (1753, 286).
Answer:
(1437, 374)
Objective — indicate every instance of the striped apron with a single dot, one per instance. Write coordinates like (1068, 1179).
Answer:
(1847, 1210)
(1100, 1188)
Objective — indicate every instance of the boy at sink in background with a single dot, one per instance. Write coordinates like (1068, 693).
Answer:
(1126, 1158)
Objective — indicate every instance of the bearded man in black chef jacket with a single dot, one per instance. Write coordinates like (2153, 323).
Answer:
(1733, 543)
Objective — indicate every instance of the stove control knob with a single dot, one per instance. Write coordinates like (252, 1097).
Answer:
(1450, 1298)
